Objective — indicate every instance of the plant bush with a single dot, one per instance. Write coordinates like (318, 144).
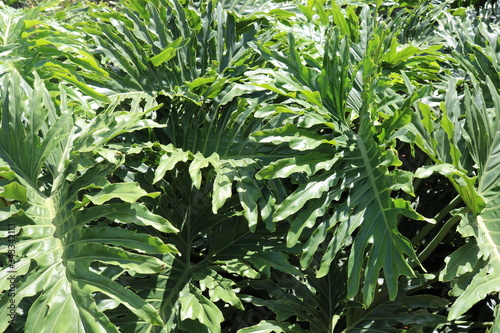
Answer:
(250, 166)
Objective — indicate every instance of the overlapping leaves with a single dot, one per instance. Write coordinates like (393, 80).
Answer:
(259, 142)
(69, 246)
(340, 95)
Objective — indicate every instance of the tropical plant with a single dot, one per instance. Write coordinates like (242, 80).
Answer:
(250, 166)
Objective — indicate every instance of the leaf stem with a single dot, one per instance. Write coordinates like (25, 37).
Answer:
(439, 237)
(439, 217)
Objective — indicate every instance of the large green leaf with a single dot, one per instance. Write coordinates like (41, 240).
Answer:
(356, 183)
(195, 306)
(463, 139)
(218, 245)
(63, 255)
(484, 226)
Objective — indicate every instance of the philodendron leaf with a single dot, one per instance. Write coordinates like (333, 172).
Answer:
(220, 288)
(370, 208)
(485, 282)
(460, 262)
(68, 258)
(483, 224)
(127, 213)
(309, 164)
(464, 185)
(142, 243)
(264, 261)
(169, 52)
(128, 192)
(297, 138)
(198, 308)
(13, 191)
(170, 157)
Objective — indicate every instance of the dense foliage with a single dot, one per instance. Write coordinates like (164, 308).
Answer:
(250, 166)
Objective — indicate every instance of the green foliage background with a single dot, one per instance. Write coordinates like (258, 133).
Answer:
(250, 166)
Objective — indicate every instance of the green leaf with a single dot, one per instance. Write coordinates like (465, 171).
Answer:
(222, 186)
(128, 239)
(171, 157)
(460, 262)
(464, 185)
(220, 288)
(270, 259)
(485, 282)
(197, 307)
(128, 192)
(310, 164)
(13, 191)
(169, 52)
(127, 213)
(297, 138)
(68, 267)
(249, 193)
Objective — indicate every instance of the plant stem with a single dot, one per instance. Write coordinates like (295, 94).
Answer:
(439, 237)
(445, 211)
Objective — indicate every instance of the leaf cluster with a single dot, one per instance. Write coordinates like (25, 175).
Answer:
(250, 166)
